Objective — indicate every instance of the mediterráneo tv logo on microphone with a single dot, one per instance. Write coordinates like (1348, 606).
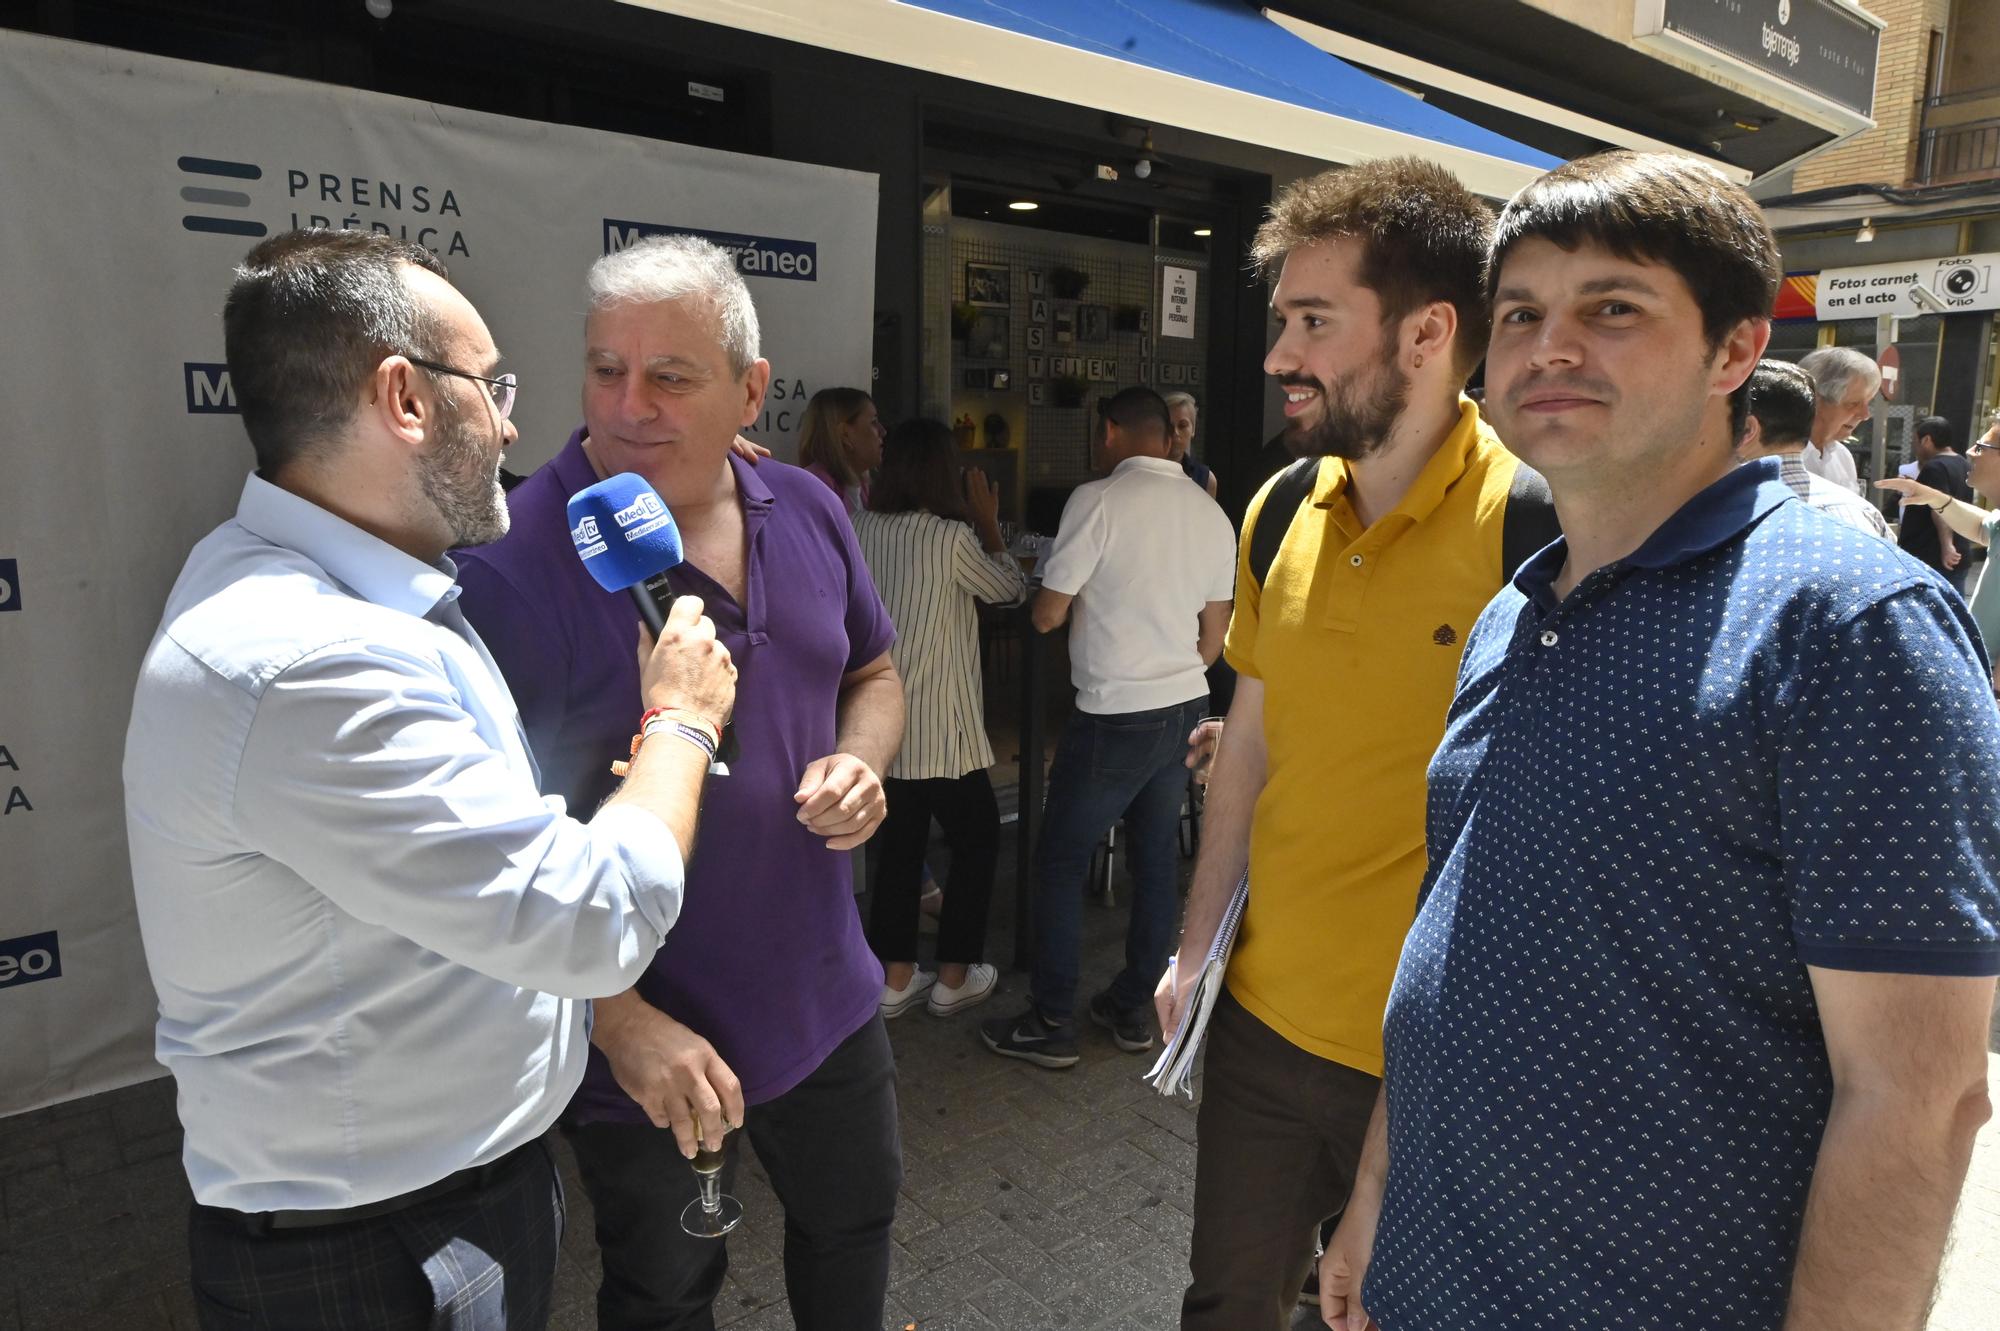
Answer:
(589, 543)
(644, 516)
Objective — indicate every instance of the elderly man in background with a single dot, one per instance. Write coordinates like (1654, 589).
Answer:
(1844, 382)
(1777, 425)
(763, 1012)
(371, 935)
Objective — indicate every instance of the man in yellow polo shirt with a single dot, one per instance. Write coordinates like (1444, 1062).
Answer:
(1347, 650)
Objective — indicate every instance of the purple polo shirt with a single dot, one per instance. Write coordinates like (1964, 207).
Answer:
(767, 960)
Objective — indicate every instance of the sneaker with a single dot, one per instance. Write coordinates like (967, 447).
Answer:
(980, 982)
(1030, 1038)
(895, 1002)
(1130, 1031)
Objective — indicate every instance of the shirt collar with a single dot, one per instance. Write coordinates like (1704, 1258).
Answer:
(1164, 466)
(1713, 518)
(1433, 482)
(367, 565)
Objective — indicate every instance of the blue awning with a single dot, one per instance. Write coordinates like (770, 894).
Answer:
(1232, 45)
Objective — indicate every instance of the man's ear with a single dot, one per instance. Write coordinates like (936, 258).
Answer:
(1432, 330)
(1738, 355)
(399, 401)
(756, 383)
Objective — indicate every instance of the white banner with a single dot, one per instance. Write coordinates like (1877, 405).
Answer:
(1177, 288)
(1949, 286)
(132, 186)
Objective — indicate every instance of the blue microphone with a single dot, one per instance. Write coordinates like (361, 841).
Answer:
(627, 539)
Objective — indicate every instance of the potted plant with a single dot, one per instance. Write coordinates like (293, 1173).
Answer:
(1069, 390)
(1068, 283)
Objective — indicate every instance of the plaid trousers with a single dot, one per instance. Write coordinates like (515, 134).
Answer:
(480, 1259)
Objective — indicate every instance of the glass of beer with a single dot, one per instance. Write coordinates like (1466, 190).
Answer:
(714, 1213)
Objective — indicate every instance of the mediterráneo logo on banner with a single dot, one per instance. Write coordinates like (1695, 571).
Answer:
(29, 958)
(209, 391)
(755, 256)
(227, 198)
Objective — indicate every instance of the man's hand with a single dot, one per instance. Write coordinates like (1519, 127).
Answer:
(1914, 491)
(1203, 741)
(688, 667)
(841, 799)
(1171, 995)
(1342, 1267)
(1952, 558)
(673, 1074)
(748, 451)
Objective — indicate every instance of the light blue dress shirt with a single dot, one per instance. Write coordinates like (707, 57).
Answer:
(371, 936)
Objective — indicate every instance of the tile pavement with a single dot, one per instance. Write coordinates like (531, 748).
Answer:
(1033, 1201)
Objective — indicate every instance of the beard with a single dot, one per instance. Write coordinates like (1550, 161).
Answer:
(1355, 417)
(462, 481)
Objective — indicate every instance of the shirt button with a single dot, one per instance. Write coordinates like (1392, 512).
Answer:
(1548, 637)
(1354, 560)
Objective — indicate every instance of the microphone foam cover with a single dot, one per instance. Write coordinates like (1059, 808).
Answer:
(623, 531)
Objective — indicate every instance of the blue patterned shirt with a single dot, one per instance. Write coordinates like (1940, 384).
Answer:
(1657, 802)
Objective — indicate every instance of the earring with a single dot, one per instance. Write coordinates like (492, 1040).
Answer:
(1420, 360)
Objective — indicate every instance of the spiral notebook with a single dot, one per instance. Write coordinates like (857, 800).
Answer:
(1175, 1070)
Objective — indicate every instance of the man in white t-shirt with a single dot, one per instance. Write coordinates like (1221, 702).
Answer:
(1844, 382)
(1143, 571)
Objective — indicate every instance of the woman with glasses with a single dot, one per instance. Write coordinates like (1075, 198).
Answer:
(932, 539)
(841, 442)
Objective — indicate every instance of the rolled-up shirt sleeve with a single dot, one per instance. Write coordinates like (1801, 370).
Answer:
(364, 774)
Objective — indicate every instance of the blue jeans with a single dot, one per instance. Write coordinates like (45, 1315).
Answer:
(1131, 764)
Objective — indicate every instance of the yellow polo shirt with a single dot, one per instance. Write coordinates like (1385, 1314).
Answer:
(1356, 635)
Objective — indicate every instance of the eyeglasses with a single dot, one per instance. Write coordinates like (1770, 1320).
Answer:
(500, 390)
(1978, 446)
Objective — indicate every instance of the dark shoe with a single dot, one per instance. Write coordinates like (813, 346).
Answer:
(1130, 1031)
(1031, 1039)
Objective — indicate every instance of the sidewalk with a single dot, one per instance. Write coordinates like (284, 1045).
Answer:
(1033, 1200)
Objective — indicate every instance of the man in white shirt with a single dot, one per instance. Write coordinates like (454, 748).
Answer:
(1844, 383)
(1143, 571)
(373, 940)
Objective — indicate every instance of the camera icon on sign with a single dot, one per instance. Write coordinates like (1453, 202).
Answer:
(1957, 281)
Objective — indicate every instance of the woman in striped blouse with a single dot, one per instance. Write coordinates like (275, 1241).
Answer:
(931, 536)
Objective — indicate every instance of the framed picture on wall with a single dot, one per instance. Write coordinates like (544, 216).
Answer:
(1037, 282)
(1038, 395)
(1036, 336)
(988, 338)
(1038, 310)
(1000, 379)
(986, 284)
(1037, 368)
(1093, 323)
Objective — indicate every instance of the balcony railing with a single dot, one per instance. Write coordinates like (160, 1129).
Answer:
(1960, 138)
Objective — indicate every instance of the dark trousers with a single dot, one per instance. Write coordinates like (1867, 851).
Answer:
(965, 808)
(1278, 1136)
(1105, 766)
(832, 1149)
(479, 1259)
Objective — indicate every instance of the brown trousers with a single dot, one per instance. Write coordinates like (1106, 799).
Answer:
(1278, 1136)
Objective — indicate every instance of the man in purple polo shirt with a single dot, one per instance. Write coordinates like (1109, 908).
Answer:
(765, 996)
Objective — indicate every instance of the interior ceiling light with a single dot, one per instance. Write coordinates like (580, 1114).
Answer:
(1867, 231)
(1024, 205)
(1204, 231)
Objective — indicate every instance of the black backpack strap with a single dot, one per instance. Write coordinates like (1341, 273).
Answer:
(1529, 521)
(1291, 490)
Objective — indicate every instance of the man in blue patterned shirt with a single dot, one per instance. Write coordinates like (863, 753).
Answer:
(1690, 1027)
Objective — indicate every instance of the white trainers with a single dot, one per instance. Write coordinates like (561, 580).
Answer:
(895, 1002)
(980, 982)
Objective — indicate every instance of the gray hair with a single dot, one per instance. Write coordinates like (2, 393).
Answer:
(1834, 370)
(664, 268)
(1182, 400)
